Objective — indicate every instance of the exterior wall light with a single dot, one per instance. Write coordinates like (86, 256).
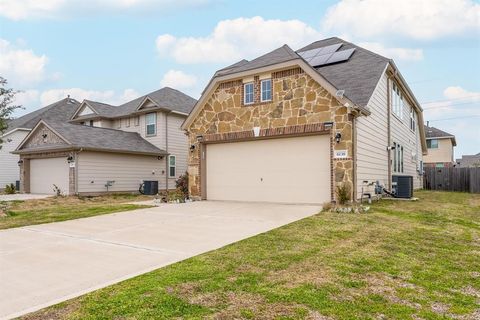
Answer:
(20, 162)
(338, 137)
(192, 148)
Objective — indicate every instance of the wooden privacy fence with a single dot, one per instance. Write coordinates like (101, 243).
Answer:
(452, 179)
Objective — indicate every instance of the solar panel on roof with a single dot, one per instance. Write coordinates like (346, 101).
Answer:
(330, 49)
(320, 60)
(310, 53)
(340, 56)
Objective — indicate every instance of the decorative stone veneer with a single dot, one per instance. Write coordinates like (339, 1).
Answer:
(297, 101)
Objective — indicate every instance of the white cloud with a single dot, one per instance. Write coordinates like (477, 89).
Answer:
(21, 66)
(237, 39)
(393, 53)
(411, 18)
(26, 9)
(178, 80)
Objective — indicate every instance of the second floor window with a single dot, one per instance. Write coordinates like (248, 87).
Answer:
(413, 122)
(248, 94)
(127, 122)
(266, 92)
(137, 120)
(397, 101)
(151, 124)
(432, 144)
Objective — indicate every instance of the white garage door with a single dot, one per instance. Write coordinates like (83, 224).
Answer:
(288, 170)
(44, 173)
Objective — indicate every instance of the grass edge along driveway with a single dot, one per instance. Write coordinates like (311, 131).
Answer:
(55, 209)
(402, 260)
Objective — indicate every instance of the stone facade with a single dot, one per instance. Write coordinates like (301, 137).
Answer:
(297, 101)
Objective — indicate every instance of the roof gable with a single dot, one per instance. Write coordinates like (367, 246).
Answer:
(43, 136)
(147, 102)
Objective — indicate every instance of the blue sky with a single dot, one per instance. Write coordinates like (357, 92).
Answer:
(119, 49)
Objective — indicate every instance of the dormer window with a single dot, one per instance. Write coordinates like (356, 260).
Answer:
(151, 124)
(248, 93)
(266, 92)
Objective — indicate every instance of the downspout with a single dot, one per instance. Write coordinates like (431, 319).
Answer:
(389, 140)
(354, 156)
(77, 157)
(167, 159)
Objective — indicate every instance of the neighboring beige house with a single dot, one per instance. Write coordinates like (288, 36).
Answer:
(293, 126)
(440, 146)
(109, 148)
(19, 128)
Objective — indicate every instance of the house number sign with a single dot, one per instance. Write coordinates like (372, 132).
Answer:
(340, 154)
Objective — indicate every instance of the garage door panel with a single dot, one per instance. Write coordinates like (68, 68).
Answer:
(289, 170)
(44, 173)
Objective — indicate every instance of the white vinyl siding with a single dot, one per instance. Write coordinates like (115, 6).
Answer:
(372, 140)
(96, 168)
(410, 141)
(9, 170)
(177, 145)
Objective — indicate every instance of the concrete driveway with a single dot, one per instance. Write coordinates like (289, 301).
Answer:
(46, 264)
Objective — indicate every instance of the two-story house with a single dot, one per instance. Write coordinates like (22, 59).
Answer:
(109, 148)
(440, 146)
(293, 126)
(19, 128)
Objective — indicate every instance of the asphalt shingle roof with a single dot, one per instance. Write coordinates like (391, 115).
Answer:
(104, 139)
(61, 110)
(358, 76)
(432, 132)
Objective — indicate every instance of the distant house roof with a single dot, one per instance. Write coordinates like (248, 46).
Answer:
(469, 161)
(165, 98)
(61, 110)
(435, 133)
(97, 139)
(358, 76)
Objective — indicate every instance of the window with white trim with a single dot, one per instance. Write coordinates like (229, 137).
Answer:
(137, 121)
(172, 166)
(151, 124)
(127, 122)
(413, 119)
(266, 90)
(397, 158)
(248, 93)
(397, 101)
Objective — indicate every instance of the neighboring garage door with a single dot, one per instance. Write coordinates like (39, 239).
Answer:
(288, 170)
(44, 173)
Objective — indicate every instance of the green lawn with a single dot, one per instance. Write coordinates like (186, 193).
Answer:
(401, 260)
(30, 212)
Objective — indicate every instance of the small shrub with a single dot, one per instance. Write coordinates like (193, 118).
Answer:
(327, 206)
(343, 194)
(175, 196)
(10, 189)
(182, 184)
